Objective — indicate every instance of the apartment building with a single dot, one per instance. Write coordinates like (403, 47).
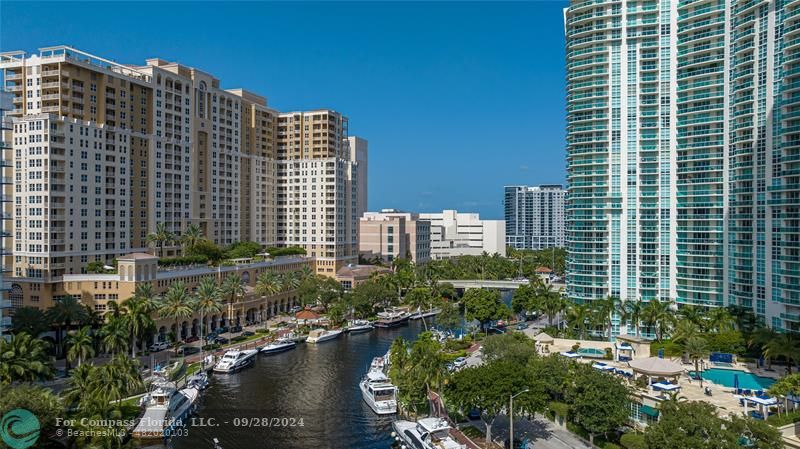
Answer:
(535, 216)
(6, 195)
(105, 152)
(359, 153)
(318, 188)
(456, 234)
(391, 234)
(682, 149)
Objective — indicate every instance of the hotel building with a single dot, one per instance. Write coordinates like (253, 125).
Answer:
(535, 216)
(682, 147)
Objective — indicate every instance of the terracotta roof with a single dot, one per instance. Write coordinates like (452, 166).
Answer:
(543, 270)
(306, 315)
(137, 256)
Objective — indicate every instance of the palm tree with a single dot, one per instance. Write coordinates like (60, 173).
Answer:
(578, 318)
(692, 314)
(605, 309)
(176, 304)
(24, 359)
(268, 283)
(160, 237)
(233, 289)
(114, 336)
(31, 320)
(696, 349)
(720, 320)
(64, 313)
(632, 313)
(290, 281)
(138, 310)
(552, 303)
(420, 299)
(685, 330)
(81, 345)
(207, 300)
(81, 381)
(191, 236)
(657, 315)
(785, 346)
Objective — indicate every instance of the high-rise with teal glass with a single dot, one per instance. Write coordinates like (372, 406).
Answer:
(684, 153)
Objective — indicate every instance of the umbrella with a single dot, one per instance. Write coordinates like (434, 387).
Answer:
(736, 382)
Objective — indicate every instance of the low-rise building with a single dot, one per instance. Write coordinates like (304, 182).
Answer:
(97, 290)
(391, 234)
(456, 234)
(350, 276)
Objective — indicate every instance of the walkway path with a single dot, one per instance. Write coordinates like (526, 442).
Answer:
(541, 433)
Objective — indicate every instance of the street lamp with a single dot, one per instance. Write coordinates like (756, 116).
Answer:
(511, 418)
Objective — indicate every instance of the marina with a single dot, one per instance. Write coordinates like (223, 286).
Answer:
(313, 390)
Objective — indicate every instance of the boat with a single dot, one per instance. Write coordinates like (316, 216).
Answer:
(378, 392)
(427, 433)
(234, 360)
(279, 345)
(378, 363)
(392, 318)
(320, 335)
(198, 380)
(166, 408)
(419, 314)
(359, 326)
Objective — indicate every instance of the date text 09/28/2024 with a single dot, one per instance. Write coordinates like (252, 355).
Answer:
(247, 422)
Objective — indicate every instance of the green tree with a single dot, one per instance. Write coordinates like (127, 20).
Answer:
(31, 320)
(696, 349)
(24, 359)
(114, 336)
(551, 302)
(578, 319)
(514, 346)
(599, 401)
(207, 300)
(553, 372)
(176, 304)
(415, 368)
(484, 306)
(64, 314)
(632, 313)
(786, 385)
(268, 284)
(42, 402)
(490, 386)
(720, 320)
(447, 290)
(526, 299)
(696, 425)
(684, 330)
(191, 236)
(450, 316)
(81, 345)
(241, 250)
(137, 314)
(206, 248)
(420, 299)
(657, 316)
(784, 346)
(161, 237)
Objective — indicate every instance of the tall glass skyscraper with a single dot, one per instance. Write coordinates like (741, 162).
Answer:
(684, 153)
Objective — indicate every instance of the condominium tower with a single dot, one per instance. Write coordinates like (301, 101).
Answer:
(535, 216)
(106, 152)
(392, 234)
(683, 147)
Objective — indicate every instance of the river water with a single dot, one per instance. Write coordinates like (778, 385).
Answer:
(309, 397)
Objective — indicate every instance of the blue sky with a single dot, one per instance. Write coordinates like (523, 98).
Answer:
(456, 99)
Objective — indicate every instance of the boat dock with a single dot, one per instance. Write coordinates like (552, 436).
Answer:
(151, 425)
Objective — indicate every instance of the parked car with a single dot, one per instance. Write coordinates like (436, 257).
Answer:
(192, 339)
(475, 413)
(295, 309)
(222, 330)
(160, 346)
(460, 362)
(236, 329)
(248, 334)
(221, 341)
(522, 326)
(188, 350)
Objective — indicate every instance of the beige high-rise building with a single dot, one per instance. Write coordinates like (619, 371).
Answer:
(359, 153)
(105, 152)
(391, 234)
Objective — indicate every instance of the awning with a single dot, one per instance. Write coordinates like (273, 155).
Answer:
(763, 400)
(665, 387)
(650, 411)
(571, 355)
(603, 367)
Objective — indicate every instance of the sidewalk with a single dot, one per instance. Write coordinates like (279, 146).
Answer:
(541, 433)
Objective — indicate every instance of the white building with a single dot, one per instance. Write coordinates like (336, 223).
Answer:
(454, 234)
(359, 153)
(535, 216)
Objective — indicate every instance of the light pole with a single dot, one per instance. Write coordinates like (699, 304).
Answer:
(511, 418)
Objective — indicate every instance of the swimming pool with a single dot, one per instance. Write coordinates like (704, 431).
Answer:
(747, 380)
(592, 353)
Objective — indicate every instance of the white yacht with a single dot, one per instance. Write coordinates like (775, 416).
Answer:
(359, 326)
(419, 314)
(378, 363)
(279, 345)
(378, 392)
(234, 360)
(198, 380)
(427, 433)
(320, 335)
(392, 318)
(166, 408)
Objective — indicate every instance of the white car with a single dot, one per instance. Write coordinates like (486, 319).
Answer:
(160, 346)
(460, 362)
